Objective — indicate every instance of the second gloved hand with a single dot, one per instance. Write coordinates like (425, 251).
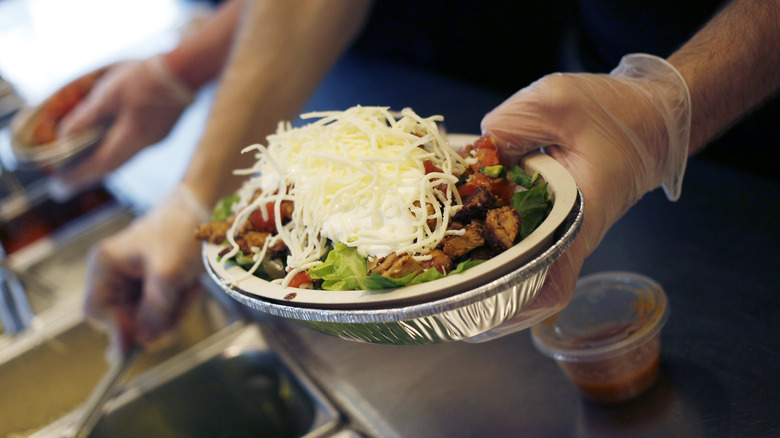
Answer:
(142, 279)
(619, 135)
(139, 102)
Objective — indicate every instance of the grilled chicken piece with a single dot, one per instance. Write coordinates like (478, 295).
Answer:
(501, 227)
(287, 208)
(430, 211)
(395, 266)
(439, 260)
(456, 246)
(213, 232)
(476, 205)
(251, 239)
(256, 239)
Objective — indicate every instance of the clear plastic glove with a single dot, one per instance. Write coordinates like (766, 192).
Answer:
(142, 280)
(619, 135)
(139, 102)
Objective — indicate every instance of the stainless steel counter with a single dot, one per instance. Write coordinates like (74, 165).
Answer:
(715, 254)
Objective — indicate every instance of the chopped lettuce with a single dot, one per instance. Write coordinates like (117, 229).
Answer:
(224, 208)
(242, 260)
(345, 269)
(221, 212)
(433, 274)
(377, 281)
(520, 177)
(533, 205)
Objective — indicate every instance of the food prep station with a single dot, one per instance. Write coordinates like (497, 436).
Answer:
(714, 252)
(214, 376)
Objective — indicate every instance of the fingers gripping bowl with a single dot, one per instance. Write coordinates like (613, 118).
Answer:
(453, 307)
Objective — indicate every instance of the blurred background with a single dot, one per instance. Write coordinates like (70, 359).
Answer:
(45, 44)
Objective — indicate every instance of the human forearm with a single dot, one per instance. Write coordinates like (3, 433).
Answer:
(731, 65)
(281, 53)
(200, 57)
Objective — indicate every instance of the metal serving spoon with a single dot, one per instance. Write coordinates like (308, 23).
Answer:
(108, 386)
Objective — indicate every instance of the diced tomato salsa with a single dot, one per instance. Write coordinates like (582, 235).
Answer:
(260, 224)
(484, 150)
(300, 279)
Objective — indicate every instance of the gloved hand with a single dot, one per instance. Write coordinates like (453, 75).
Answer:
(142, 279)
(619, 135)
(139, 102)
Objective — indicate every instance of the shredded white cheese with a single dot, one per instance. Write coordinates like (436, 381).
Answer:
(356, 177)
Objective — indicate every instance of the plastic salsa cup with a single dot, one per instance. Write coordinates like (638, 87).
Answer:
(607, 340)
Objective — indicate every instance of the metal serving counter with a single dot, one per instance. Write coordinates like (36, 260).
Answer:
(714, 252)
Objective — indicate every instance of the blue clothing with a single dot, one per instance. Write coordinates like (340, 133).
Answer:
(507, 44)
(611, 28)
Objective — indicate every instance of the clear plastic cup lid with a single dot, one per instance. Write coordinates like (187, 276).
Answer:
(609, 313)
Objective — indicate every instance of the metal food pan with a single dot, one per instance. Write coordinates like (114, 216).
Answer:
(230, 384)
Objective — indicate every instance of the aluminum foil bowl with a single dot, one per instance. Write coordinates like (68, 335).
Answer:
(453, 318)
(450, 309)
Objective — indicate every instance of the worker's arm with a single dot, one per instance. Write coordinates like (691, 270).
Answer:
(731, 66)
(282, 51)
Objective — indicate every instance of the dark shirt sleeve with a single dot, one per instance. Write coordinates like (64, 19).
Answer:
(608, 29)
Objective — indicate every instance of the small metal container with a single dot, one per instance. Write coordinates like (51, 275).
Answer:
(34, 143)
